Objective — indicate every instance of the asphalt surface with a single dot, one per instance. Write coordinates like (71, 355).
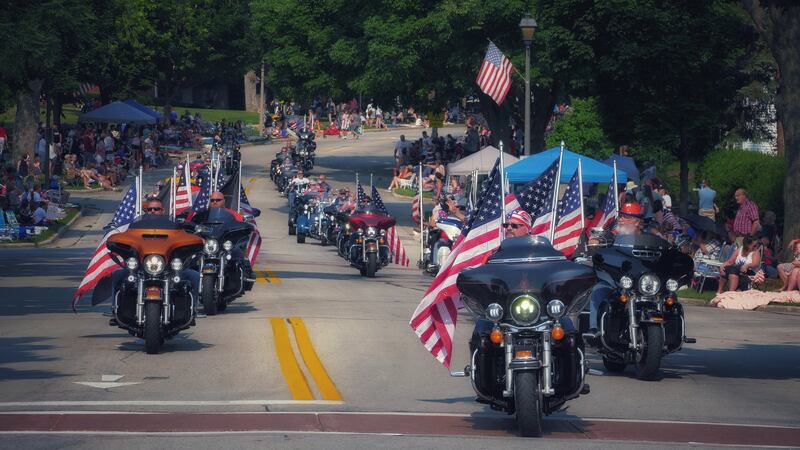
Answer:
(314, 336)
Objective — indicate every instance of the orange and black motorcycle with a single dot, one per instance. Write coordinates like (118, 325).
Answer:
(154, 293)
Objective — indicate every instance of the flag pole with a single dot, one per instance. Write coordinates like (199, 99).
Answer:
(239, 191)
(188, 181)
(616, 194)
(556, 185)
(580, 191)
(502, 194)
(173, 190)
(421, 214)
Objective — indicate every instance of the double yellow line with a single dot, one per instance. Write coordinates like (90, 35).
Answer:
(266, 276)
(295, 378)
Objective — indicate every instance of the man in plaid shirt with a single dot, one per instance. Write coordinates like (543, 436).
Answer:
(746, 221)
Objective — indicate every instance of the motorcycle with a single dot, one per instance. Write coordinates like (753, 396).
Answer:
(320, 221)
(639, 317)
(366, 247)
(225, 274)
(153, 298)
(526, 356)
(296, 208)
(304, 150)
(440, 241)
(305, 205)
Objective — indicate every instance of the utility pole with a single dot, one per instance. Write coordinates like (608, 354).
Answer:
(528, 27)
(262, 99)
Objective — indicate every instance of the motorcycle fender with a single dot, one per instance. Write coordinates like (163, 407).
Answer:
(651, 317)
(525, 364)
(209, 268)
(371, 246)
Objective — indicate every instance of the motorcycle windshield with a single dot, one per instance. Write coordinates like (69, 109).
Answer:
(526, 265)
(635, 255)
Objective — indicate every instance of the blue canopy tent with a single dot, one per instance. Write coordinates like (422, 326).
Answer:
(117, 112)
(625, 163)
(593, 171)
(150, 112)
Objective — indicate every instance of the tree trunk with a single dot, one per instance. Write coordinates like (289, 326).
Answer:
(26, 120)
(58, 109)
(497, 118)
(780, 144)
(779, 25)
(541, 112)
(105, 95)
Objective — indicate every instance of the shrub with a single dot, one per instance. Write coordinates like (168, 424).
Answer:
(761, 175)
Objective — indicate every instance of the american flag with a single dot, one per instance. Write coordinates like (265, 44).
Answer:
(254, 243)
(415, 213)
(536, 198)
(101, 264)
(570, 218)
(434, 320)
(494, 78)
(183, 192)
(204, 194)
(610, 206)
(361, 196)
(399, 255)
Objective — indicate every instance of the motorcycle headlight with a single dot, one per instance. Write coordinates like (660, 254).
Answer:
(649, 284)
(176, 264)
(672, 285)
(494, 312)
(383, 232)
(210, 246)
(227, 245)
(626, 282)
(154, 264)
(347, 226)
(556, 309)
(525, 310)
(371, 232)
(132, 263)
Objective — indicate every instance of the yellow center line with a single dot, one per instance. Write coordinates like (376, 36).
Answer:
(326, 386)
(274, 279)
(252, 180)
(298, 385)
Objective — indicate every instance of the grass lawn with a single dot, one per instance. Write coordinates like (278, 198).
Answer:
(50, 231)
(71, 114)
(706, 295)
(412, 193)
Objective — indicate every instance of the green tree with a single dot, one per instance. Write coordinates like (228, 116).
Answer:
(581, 130)
(778, 22)
(666, 79)
(41, 41)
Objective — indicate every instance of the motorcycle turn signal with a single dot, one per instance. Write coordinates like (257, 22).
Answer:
(557, 333)
(496, 336)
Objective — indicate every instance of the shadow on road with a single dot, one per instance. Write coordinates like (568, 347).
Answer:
(26, 350)
(180, 343)
(754, 361)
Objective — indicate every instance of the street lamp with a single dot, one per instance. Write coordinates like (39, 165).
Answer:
(528, 27)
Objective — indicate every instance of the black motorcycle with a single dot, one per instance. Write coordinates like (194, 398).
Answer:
(304, 150)
(225, 273)
(638, 316)
(526, 355)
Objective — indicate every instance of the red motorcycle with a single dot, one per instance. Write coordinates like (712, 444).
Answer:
(367, 247)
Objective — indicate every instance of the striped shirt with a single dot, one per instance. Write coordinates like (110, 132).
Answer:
(745, 217)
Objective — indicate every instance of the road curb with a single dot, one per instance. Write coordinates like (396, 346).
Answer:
(764, 308)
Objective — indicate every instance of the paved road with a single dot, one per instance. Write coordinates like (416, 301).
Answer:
(313, 336)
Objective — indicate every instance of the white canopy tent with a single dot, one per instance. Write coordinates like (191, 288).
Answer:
(483, 162)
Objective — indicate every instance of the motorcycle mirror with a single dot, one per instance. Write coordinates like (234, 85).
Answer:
(248, 217)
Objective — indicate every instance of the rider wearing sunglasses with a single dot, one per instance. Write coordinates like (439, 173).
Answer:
(154, 207)
(518, 223)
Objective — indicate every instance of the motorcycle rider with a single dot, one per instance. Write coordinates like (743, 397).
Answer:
(298, 180)
(323, 183)
(629, 222)
(518, 223)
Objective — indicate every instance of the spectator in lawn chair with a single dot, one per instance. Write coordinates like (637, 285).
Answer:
(789, 271)
(744, 262)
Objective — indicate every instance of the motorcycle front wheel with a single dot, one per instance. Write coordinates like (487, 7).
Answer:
(649, 362)
(301, 238)
(527, 405)
(372, 265)
(152, 327)
(209, 302)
